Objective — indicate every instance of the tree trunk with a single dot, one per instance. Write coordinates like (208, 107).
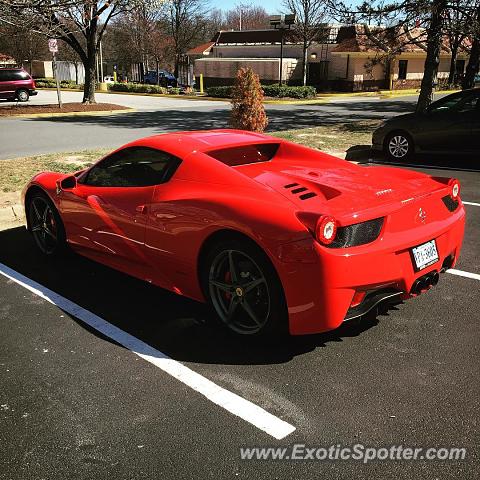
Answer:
(453, 65)
(473, 64)
(304, 63)
(90, 64)
(158, 71)
(434, 39)
(90, 80)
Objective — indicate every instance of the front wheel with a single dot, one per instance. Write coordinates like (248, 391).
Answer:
(398, 146)
(22, 96)
(46, 225)
(243, 288)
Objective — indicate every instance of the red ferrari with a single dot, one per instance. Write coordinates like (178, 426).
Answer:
(272, 234)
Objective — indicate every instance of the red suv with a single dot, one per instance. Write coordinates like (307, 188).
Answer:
(16, 84)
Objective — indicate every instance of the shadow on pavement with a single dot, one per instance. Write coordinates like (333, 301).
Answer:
(281, 117)
(170, 323)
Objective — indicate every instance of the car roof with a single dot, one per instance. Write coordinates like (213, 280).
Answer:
(183, 143)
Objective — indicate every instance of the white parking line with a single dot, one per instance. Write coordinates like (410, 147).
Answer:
(231, 402)
(471, 203)
(461, 273)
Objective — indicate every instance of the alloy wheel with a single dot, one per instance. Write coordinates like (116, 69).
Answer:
(239, 292)
(398, 146)
(43, 225)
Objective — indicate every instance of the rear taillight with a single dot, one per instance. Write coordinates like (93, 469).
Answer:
(326, 229)
(454, 185)
(33, 84)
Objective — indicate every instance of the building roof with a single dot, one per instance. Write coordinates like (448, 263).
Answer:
(366, 39)
(203, 49)
(6, 58)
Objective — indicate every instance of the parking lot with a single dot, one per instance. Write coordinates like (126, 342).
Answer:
(104, 376)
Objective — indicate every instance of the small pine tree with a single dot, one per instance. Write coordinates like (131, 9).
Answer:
(248, 112)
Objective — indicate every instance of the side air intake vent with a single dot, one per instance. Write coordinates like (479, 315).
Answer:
(357, 234)
(300, 189)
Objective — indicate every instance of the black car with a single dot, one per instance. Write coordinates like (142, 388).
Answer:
(450, 125)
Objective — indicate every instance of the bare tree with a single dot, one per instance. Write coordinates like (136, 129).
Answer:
(473, 65)
(246, 17)
(311, 15)
(186, 25)
(69, 20)
(23, 44)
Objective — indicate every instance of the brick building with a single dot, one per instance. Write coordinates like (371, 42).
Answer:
(348, 58)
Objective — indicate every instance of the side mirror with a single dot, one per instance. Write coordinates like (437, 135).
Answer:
(67, 183)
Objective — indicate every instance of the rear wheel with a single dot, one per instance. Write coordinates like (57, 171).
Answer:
(243, 288)
(22, 95)
(46, 225)
(398, 146)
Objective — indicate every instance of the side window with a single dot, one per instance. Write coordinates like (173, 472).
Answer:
(447, 103)
(20, 75)
(471, 104)
(133, 167)
(5, 76)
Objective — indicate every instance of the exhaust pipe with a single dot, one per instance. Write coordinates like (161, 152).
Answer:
(425, 282)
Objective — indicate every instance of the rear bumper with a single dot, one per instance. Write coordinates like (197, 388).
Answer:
(321, 283)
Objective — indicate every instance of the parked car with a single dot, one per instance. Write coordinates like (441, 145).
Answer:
(108, 79)
(272, 234)
(450, 125)
(167, 79)
(16, 84)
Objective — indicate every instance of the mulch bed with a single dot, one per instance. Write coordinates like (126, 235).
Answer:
(19, 109)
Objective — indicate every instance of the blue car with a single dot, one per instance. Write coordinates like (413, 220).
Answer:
(167, 79)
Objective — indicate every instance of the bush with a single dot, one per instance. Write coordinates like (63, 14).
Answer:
(51, 83)
(248, 112)
(136, 88)
(280, 91)
(175, 91)
(276, 91)
(220, 92)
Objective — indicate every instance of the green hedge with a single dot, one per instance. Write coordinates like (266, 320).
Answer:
(51, 83)
(280, 91)
(136, 88)
(277, 91)
(221, 92)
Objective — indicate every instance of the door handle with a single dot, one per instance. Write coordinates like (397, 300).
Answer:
(141, 209)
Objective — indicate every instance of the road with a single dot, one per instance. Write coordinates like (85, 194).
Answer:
(153, 115)
(75, 403)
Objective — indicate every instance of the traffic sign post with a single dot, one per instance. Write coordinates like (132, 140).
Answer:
(53, 47)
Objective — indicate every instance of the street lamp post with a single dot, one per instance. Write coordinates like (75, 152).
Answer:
(282, 23)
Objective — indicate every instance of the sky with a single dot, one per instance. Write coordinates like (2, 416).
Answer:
(271, 6)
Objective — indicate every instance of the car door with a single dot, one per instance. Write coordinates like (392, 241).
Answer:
(106, 212)
(473, 142)
(6, 85)
(446, 126)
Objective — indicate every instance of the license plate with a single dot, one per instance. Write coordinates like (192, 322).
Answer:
(425, 255)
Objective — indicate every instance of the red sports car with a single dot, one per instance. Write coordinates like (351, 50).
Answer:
(272, 234)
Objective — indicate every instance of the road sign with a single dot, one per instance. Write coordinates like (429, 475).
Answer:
(52, 45)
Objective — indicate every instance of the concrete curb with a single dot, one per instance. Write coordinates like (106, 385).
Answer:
(69, 114)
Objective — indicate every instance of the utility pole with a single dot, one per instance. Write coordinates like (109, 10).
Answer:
(282, 23)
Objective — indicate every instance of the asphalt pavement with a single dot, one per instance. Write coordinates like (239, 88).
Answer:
(76, 403)
(153, 115)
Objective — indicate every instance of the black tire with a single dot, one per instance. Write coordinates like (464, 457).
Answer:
(22, 95)
(46, 226)
(398, 146)
(253, 292)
